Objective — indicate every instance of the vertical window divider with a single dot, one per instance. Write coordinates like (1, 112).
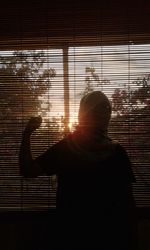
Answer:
(66, 89)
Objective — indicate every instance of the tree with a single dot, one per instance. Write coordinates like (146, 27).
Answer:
(131, 125)
(132, 101)
(23, 80)
(93, 81)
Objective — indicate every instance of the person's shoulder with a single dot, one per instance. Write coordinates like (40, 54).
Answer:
(124, 162)
(117, 146)
(120, 153)
(61, 144)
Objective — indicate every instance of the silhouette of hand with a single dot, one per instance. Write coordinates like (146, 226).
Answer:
(33, 124)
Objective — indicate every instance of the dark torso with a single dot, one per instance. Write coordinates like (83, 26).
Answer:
(92, 193)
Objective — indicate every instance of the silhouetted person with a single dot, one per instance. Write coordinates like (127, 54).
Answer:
(94, 196)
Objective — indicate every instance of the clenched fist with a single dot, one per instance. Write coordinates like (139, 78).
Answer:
(33, 124)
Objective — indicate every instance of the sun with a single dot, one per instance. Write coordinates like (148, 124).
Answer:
(73, 121)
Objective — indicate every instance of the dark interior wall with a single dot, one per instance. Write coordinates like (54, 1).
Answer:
(35, 231)
(144, 234)
(30, 230)
(60, 21)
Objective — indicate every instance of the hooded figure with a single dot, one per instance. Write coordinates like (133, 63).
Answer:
(91, 134)
(95, 112)
(94, 196)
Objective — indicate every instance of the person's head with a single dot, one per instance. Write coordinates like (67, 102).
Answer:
(94, 112)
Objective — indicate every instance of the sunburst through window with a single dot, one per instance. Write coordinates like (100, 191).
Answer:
(32, 83)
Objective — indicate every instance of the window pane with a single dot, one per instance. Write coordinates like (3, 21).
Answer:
(123, 74)
(31, 84)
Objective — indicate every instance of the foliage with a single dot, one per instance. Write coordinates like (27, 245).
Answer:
(132, 101)
(23, 79)
(92, 81)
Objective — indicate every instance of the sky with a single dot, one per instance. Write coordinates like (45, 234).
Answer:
(120, 65)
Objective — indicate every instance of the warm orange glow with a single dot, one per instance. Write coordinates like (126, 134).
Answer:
(72, 123)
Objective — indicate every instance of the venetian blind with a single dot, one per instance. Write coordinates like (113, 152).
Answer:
(50, 56)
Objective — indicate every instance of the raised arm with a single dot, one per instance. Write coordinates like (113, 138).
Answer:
(28, 166)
